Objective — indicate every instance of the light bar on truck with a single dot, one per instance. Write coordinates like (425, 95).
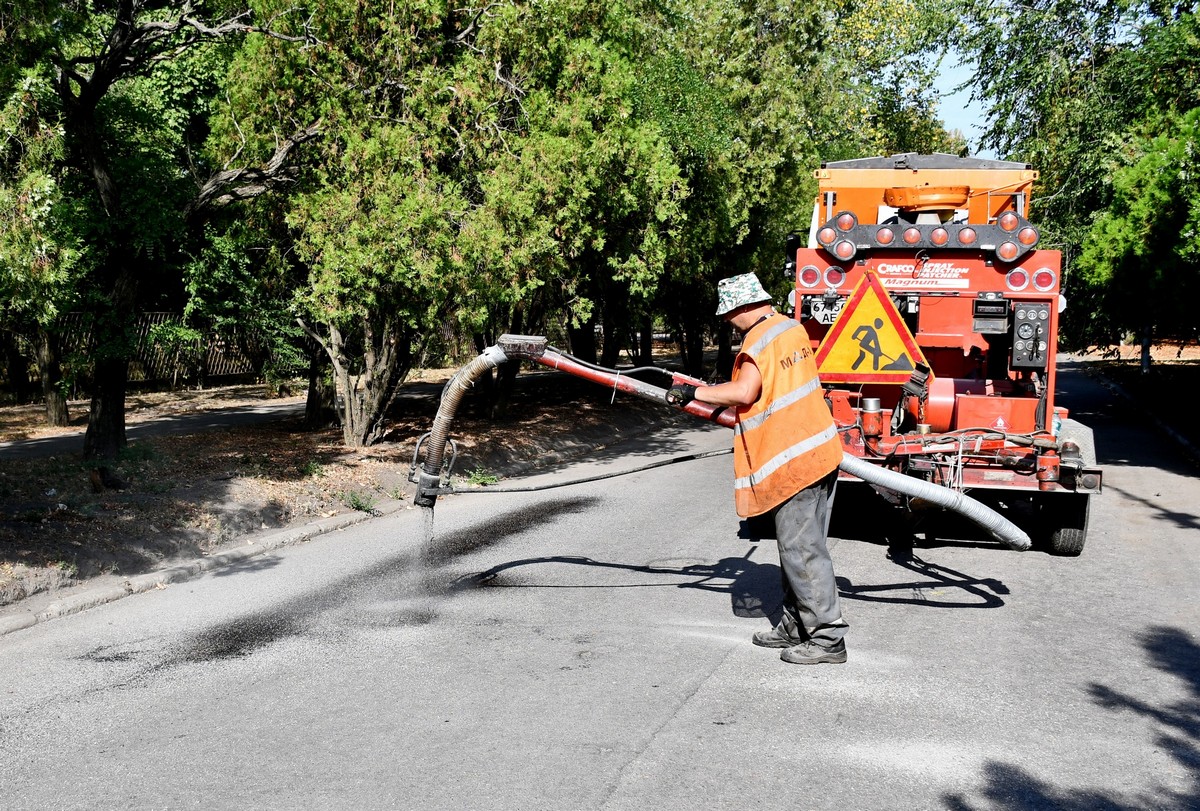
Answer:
(809, 276)
(1009, 238)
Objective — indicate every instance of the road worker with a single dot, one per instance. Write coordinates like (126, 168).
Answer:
(786, 456)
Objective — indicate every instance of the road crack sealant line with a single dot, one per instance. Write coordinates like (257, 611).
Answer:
(554, 485)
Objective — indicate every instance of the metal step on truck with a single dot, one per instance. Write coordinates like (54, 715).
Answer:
(934, 313)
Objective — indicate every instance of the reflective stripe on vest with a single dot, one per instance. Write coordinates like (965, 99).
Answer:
(789, 441)
(778, 403)
(773, 332)
(786, 455)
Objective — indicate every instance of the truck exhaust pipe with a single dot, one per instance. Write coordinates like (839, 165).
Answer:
(433, 477)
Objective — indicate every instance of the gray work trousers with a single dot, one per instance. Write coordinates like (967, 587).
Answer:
(812, 609)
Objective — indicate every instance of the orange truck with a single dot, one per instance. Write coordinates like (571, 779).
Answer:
(933, 312)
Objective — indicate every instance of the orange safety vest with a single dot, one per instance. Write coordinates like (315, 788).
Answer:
(787, 439)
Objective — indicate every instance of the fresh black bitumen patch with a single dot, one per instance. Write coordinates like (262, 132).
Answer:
(252, 632)
(257, 630)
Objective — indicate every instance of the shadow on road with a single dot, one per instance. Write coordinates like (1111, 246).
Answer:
(753, 588)
(1176, 728)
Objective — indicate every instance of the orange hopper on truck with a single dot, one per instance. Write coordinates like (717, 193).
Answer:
(933, 312)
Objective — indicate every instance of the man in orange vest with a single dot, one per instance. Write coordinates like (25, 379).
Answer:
(786, 455)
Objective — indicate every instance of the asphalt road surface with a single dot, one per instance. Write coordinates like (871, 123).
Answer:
(588, 648)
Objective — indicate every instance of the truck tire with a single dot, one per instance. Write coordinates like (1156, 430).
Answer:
(1066, 517)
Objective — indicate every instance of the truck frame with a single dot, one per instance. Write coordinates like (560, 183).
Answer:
(933, 312)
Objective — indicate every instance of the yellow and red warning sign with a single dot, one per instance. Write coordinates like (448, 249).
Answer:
(869, 342)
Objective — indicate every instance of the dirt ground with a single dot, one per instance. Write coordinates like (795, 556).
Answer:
(185, 496)
(189, 495)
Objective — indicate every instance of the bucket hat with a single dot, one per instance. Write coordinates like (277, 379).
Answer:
(738, 291)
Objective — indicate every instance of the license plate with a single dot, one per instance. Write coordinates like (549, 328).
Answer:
(826, 312)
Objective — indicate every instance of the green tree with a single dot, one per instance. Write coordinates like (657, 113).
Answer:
(880, 67)
(1080, 88)
(239, 287)
(1140, 260)
(129, 96)
(583, 209)
(38, 252)
(477, 163)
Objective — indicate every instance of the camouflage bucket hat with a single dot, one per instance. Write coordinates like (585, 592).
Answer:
(738, 291)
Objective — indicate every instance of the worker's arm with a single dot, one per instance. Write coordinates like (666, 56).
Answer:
(743, 390)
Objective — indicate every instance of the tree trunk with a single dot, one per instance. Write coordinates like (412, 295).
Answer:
(689, 339)
(484, 390)
(320, 409)
(695, 362)
(725, 354)
(1147, 343)
(105, 436)
(645, 354)
(16, 366)
(583, 340)
(367, 396)
(50, 369)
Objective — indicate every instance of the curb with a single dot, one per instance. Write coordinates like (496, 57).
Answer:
(91, 597)
(256, 545)
(1190, 451)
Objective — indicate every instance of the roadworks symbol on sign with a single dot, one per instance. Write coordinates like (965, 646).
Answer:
(869, 342)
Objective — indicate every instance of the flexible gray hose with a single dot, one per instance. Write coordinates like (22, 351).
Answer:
(431, 472)
(1000, 527)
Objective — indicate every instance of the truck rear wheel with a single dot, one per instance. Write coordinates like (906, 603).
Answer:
(1066, 517)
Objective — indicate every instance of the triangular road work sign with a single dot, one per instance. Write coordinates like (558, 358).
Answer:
(869, 342)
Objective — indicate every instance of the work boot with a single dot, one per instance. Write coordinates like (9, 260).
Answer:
(775, 638)
(810, 653)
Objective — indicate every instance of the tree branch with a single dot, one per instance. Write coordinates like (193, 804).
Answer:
(132, 44)
(231, 185)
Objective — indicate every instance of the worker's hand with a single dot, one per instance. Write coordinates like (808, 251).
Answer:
(681, 394)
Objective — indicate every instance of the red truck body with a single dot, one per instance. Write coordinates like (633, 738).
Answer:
(933, 311)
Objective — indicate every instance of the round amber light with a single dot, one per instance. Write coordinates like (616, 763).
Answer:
(940, 236)
(885, 236)
(1007, 251)
(967, 236)
(1027, 235)
(846, 221)
(826, 236)
(912, 236)
(1009, 221)
(844, 249)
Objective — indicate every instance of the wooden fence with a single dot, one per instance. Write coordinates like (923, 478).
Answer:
(154, 362)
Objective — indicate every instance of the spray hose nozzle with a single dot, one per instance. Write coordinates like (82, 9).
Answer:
(434, 477)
